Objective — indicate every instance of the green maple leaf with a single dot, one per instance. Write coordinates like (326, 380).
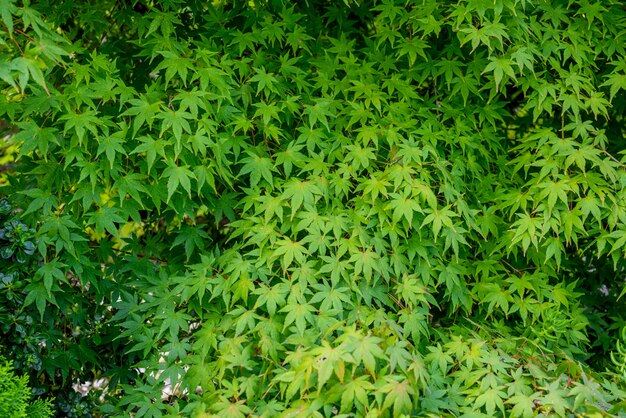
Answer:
(365, 349)
(177, 120)
(404, 207)
(271, 296)
(289, 250)
(192, 101)
(399, 393)
(144, 111)
(82, 122)
(7, 9)
(617, 82)
(413, 48)
(319, 112)
(257, 167)
(174, 321)
(330, 297)
(523, 406)
(300, 314)
(491, 399)
(500, 67)
(290, 157)
(300, 192)
(265, 81)
(355, 389)
(175, 65)
(110, 145)
(177, 176)
(37, 292)
(151, 148)
(105, 219)
(267, 111)
(191, 237)
(438, 218)
(556, 398)
(131, 184)
(51, 272)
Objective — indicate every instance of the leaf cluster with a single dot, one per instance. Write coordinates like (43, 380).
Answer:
(316, 208)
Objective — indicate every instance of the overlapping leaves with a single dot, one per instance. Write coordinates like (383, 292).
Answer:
(313, 209)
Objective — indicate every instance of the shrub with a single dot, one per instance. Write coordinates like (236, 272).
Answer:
(323, 208)
(15, 396)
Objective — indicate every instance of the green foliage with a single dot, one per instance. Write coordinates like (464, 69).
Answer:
(15, 396)
(318, 208)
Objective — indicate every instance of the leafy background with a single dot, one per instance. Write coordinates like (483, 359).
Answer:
(316, 208)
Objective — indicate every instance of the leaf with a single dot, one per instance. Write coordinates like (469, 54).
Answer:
(616, 82)
(265, 81)
(175, 65)
(555, 398)
(404, 207)
(7, 8)
(399, 394)
(365, 350)
(491, 399)
(131, 184)
(39, 294)
(500, 67)
(299, 193)
(329, 360)
(51, 272)
(526, 231)
(413, 48)
(320, 111)
(174, 322)
(523, 406)
(191, 238)
(112, 145)
(300, 314)
(177, 121)
(143, 110)
(106, 218)
(81, 123)
(288, 251)
(257, 167)
(272, 297)
(177, 176)
(151, 148)
(355, 390)
(598, 104)
(438, 218)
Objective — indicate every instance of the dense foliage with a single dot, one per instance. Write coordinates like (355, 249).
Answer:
(15, 396)
(373, 208)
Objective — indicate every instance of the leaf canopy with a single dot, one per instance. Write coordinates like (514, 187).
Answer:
(374, 208)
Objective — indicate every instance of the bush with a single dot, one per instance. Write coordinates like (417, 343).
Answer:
(15, 396)
(321, 208)
(17, 261)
